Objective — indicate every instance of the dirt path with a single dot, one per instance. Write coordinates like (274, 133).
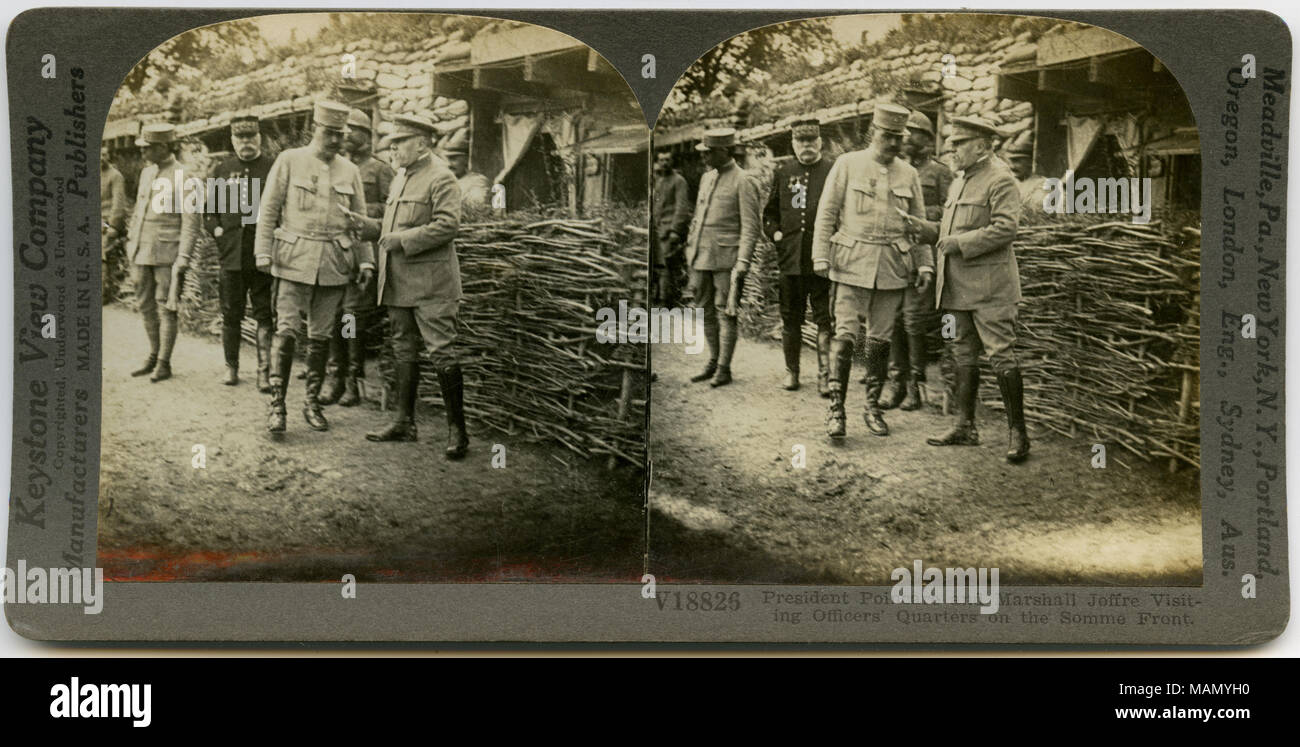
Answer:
(317, 505)
(729, 506)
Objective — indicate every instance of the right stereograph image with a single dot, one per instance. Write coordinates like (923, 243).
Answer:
(943, 272)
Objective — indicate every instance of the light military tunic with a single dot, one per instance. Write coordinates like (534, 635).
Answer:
(727, 219)
(154, 238)
(858, 228)
(981, 215)
(301, 224)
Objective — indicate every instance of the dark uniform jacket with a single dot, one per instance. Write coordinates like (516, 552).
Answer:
(935, 181)
(423, 215)
(981, 215)
(224, 222)
(112, 199)
(672, 205)
(792, 209)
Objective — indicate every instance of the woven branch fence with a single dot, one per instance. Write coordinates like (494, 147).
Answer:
(527, 342)
(1109, 332)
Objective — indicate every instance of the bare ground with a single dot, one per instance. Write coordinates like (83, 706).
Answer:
(313, 506)
(728, 505)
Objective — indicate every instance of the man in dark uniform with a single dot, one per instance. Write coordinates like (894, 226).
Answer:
(304, 239)
(672, 216)
(908, 347)
(232, 221)
(419, 278)
(788, 222)
(348, 352)
(860, 243)
(112, 224)
(978, 280)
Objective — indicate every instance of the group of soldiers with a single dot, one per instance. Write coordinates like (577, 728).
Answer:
(336, 233)
(879, 236)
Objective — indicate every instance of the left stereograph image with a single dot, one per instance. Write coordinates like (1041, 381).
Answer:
(351, 263)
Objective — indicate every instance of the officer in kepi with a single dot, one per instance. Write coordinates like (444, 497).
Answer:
(159, 232)
(978, 281)
(720, 242)
(231, 219)
(347, 366)
(860, 244)
(304, 240)
(788, 222)
(419, 278)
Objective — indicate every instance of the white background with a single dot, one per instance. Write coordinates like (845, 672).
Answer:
(11, 644)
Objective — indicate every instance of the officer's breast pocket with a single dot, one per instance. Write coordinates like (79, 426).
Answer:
(861, 196)
(412, 212)
(303, 194)
(902, 198)
(969, 214)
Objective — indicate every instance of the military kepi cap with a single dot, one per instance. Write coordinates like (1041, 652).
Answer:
(724, 137)
(359, 120)
(966, 128)
(918, 121)
(160, 133)
(331, 115)
(457, 144)
(805, 129)
(890, 118)
(245, 125)
(405, 126)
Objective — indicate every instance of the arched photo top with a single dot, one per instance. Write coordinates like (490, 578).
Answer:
(517, 97)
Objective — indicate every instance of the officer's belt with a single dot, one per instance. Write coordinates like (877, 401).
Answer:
(875, 238)
(313, 235)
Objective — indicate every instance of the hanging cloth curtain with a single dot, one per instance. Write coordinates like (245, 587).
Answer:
(1082, 133)
(517, 133)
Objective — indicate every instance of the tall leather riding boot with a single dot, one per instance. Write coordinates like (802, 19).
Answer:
(841, 363)
(335, 368)
(726, 349)
(230, 334)
(898, 370)
(791, 345)
(916, 362)
(823, 361)
(356, 372)
(151, 330)
(281, 362)
(452, 383)
(877, 370)
(317, 353)
(264, 358)
(963, 433)
(403, 426)
(1012, 388)
(711, 336)
(167, 330)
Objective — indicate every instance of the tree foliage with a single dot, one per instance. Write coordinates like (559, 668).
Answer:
(231, 46)
(787, 51)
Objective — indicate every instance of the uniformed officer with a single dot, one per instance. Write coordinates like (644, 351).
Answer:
(719, 244)
(231, 221)
(160, 230)
(859, 243)
(475, 189)
(112, 223)
(348, 355)
(671, 217)
(419, 278)
(978, 281)
(788, 221)
(303, 239)
(908, 346)
(1020, 157)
